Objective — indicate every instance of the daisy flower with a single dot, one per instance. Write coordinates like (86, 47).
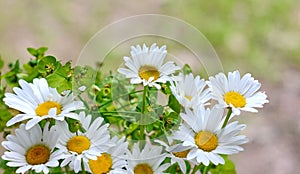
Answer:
(177, 153)
(202, 132)
(146, 66)
(32, 149)
(147, 161)
(37, 101)
(83, 146)
(237, 93)
(114, 160)
(189, 91)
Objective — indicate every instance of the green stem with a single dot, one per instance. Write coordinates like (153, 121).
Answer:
(143, 109)
(67, 169)
(196, 168)
(205, 170)
(109, 101)
(82, 168)
(84, 102)
(227, 117)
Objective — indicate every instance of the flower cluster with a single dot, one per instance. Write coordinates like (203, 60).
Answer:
(60, 132)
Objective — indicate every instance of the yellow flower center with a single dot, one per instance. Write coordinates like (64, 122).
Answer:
(44, 108)
(102, 165)
(206, 141)
(147, 71)
(189, 97)
(38, 154)
(143, 169)
(78, 144)
(182, 154)
(235, 98)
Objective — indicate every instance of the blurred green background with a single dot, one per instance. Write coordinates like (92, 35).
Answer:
(257, 36)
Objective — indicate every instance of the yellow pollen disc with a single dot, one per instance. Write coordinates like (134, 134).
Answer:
(235, 98)
(102, 165)
(147, 71)
(206, 141)
(78, 144)
(143, 169)
(182, 154)
(38, 154)
(44, 108)
(189, 97)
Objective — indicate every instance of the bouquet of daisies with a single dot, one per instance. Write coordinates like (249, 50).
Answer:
(149, 116)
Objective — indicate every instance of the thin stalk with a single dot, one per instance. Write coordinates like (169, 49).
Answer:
(67, 169)
(196, 168)
(82, 168)
(205, 170)
(227, 117)
(84, 102)
(143, 109)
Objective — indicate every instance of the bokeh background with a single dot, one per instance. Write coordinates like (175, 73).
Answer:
(260, 37)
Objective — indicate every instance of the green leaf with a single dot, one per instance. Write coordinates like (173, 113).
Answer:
(32, 51)
(84, 76)
(165, 88)
(149, 127)
(41, 50)
(11, 76)
(38, 53)
(174, 104)
(15, 67)
(227, 168)
(59, 82)
(32, 72)
(132, 127)
(7, 170)
(48, 65)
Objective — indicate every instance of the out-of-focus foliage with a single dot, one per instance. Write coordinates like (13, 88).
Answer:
(259, 36)
(253, 34)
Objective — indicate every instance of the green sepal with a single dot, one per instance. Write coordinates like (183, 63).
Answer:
(187, 69)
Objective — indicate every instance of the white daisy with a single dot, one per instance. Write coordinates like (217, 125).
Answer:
(114, 160)
(83, 146)
(32, 149)
(189, 91)
(147, 161)
(177, 153)
(146, 66)
(37, 101)
(237, 93)
(202, 132)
